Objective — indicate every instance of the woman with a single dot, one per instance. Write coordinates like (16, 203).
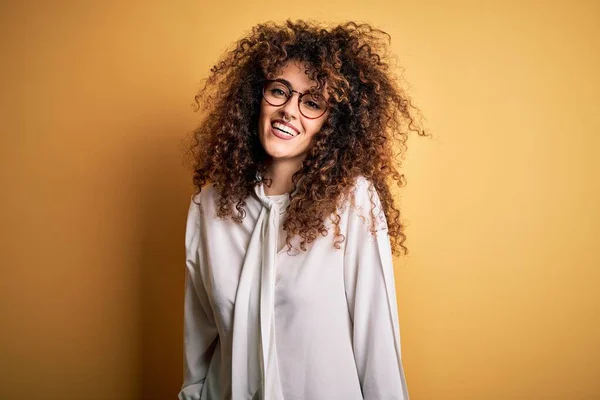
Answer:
(289, 281)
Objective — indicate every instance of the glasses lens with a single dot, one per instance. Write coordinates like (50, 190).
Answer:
(276, 93)
(312, 106)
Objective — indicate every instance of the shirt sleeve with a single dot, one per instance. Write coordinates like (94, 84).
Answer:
(371, 296)
(200, 333)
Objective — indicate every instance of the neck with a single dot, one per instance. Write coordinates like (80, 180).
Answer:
(281, 172)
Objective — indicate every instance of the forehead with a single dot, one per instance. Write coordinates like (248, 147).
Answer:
(295, 73)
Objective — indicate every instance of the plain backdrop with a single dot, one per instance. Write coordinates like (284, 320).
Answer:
(498, 297)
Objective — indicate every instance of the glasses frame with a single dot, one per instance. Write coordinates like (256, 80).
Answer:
(292, 91)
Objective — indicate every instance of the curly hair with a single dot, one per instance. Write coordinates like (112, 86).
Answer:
(365, 134)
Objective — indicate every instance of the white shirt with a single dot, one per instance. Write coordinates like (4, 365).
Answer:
(260, 323)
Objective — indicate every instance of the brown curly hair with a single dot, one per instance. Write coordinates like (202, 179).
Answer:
(365, 133)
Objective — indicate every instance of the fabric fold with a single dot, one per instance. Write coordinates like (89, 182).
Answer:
(256, 374)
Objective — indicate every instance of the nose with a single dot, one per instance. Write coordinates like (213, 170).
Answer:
(291, 108)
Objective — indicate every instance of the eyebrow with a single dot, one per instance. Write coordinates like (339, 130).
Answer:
(290, 85)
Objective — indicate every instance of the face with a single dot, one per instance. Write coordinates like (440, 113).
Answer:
(275, 138)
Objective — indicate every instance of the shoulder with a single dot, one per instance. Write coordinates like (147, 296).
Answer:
(363, 185)
(207, 195)
(205, 200)
(364, 202)
(363, 192)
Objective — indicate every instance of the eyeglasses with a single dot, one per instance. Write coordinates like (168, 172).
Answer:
(277, 93)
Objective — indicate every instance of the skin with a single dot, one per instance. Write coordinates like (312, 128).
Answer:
(285, 156)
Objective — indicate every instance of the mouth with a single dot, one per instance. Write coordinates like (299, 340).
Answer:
(280, 126)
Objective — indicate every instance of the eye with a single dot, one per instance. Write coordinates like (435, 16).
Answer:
(278, 92)
(312, 105)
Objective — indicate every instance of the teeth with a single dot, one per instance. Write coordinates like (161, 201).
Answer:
(284, 128)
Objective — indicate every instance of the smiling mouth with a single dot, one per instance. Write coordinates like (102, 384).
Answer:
(284, 129)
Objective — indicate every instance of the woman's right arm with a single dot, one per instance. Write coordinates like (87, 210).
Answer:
(200, 332)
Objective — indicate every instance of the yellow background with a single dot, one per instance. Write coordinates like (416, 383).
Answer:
(499, 295)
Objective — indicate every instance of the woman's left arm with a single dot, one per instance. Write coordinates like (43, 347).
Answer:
(371, 296)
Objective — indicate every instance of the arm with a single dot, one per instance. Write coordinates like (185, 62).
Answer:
(371, 295)
(200, 332)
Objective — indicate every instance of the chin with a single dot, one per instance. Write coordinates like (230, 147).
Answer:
(276, 153)
(276, 148)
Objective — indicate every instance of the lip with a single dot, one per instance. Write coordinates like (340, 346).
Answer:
(286, 124)
(281, 135)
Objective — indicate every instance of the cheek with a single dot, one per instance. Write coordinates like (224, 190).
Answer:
(263, 117)
(265, 110)
(312, 127)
